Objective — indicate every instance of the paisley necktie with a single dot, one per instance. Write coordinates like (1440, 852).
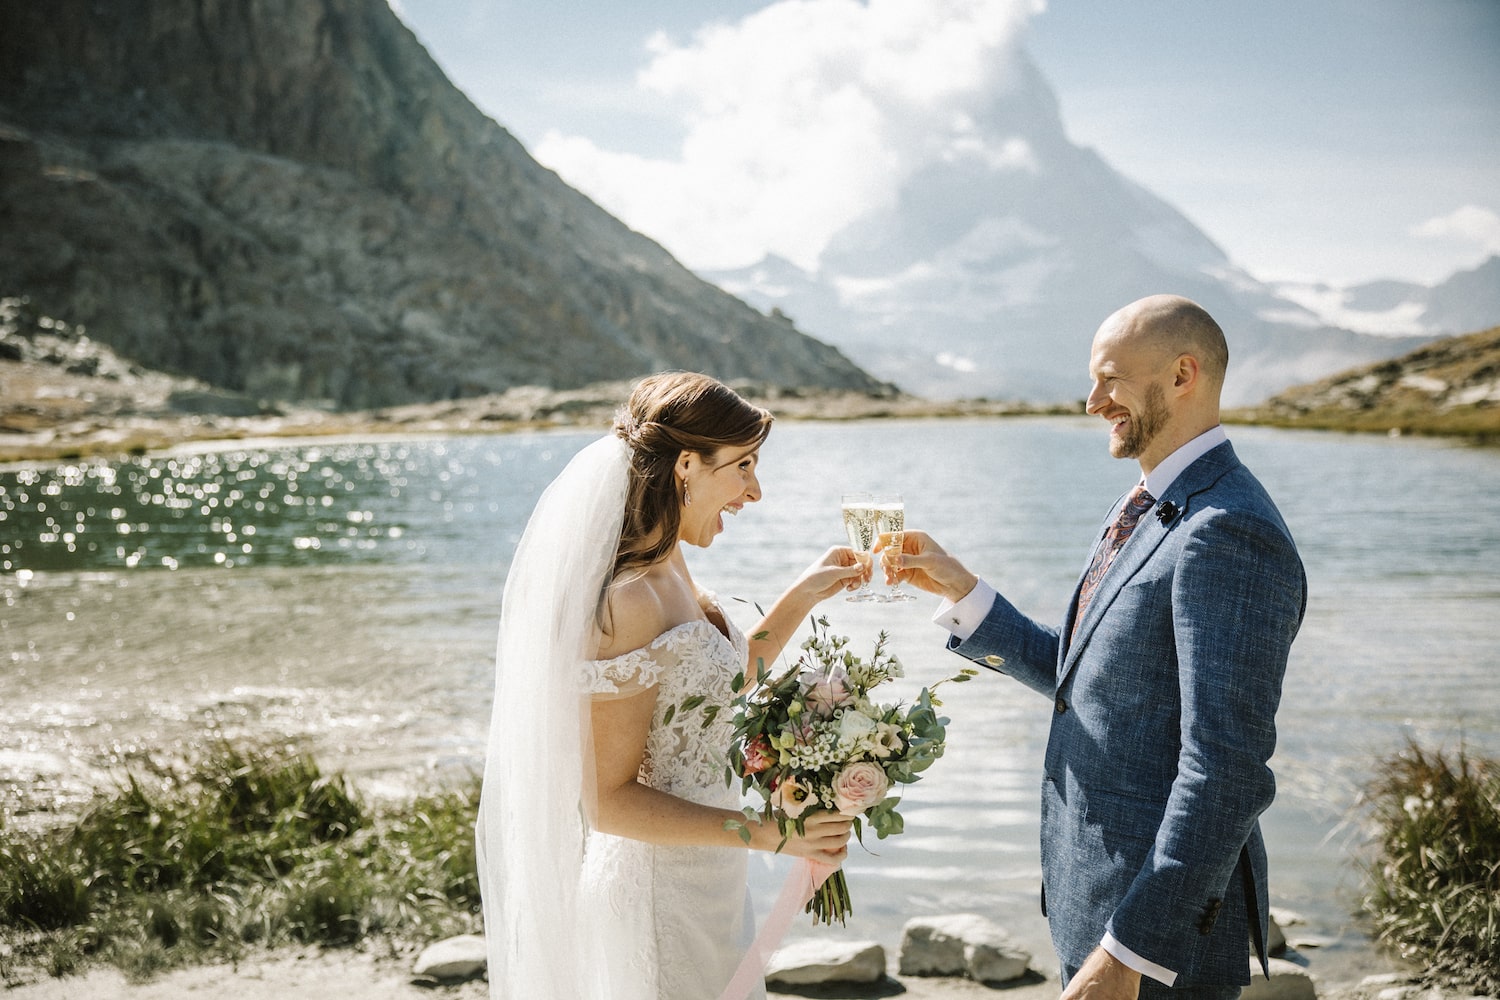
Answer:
(1136, 504)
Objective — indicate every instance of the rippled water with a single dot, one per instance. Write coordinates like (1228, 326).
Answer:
(345, 595)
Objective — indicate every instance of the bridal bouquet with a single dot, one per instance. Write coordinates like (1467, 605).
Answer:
(811, 737)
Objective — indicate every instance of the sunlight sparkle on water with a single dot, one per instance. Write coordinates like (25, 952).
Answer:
(222, 509)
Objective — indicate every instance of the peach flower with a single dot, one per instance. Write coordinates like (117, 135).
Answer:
(758, 755)
(792, 797)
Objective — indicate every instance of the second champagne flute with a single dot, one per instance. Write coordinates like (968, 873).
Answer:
(890, 518)
(860, 519)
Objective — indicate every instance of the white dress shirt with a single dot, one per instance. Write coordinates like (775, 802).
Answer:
(961, 618)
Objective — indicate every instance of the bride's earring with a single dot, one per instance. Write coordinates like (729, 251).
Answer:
(687, 498)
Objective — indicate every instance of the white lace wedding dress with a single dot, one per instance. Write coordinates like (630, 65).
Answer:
(691, 901)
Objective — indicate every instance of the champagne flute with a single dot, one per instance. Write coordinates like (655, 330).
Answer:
(890, 517)
(860, 524)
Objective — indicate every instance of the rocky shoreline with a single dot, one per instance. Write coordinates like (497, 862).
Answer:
(967, 955)
(65, 396)
(377, 970)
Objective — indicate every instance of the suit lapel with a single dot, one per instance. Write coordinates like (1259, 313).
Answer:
(1142, 545)
(1138, 550)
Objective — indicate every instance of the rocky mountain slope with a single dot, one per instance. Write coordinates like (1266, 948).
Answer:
(287, 199)
(1450, 386)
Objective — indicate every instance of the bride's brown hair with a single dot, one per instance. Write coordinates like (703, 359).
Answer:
(666, 415)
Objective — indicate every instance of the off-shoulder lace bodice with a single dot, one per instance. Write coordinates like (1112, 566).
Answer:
(683, 756)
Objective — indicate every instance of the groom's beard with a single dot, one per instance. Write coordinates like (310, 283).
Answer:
(1144, 426)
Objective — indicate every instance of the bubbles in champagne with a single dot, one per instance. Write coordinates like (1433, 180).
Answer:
(892, 517)
(860, 523)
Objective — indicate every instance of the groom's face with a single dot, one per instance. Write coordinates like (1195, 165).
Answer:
(1144, 425)
(1129, 392)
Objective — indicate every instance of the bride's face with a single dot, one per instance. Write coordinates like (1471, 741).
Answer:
(719, 484)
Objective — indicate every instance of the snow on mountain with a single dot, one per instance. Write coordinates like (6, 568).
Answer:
(1466, 301)
(990, 271)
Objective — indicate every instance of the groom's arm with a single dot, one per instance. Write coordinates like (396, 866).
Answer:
(986, 628)
(983, 626)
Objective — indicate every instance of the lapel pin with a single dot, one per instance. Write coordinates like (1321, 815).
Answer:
(1166, 512)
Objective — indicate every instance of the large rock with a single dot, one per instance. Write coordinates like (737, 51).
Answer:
(815, 961)
(1288, 981)
(1275, 938)
(288, 199)
(963, 944)
(452, 960)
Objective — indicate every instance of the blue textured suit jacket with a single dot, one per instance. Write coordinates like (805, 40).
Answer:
(1163, 722)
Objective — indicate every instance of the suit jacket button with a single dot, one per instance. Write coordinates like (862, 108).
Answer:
(1062, 706)
(993, 661)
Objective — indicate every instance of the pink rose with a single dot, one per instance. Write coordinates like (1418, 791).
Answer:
(758, 756)
(827, 692)
(858, 787)
(792, 797)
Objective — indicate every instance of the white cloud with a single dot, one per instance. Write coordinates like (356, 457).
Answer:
(802, 117)
(1471, 224)
(1324, 305)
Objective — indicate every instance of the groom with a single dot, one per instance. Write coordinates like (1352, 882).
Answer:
(1163, 679)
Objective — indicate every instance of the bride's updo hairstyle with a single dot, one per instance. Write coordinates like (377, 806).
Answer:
(666, 415)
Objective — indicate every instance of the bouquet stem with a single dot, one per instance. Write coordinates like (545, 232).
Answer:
(830, 901)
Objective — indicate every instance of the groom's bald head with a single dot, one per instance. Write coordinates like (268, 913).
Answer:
(1173, 325)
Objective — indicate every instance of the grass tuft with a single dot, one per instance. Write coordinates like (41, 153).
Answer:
(244, 847)
(39, 890)
(1434, 886)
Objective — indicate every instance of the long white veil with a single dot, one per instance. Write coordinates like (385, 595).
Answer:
(538, 770)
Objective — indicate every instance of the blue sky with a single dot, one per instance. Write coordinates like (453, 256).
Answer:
(1323, 140)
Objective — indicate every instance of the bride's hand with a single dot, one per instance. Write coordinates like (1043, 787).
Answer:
(824, 837)
(840, 568)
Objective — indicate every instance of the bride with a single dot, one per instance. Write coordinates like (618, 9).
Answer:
(606, 870)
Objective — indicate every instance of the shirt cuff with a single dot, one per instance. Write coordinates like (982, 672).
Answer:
(964, 616)
(1123, 954)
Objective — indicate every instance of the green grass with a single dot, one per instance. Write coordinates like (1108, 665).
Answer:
(1433, 887)
(247, 847)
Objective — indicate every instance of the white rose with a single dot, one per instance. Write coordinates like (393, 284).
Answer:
(854, 727)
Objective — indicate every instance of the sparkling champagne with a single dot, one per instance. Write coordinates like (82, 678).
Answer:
(892, 518)
(890, 513)
(861, 523)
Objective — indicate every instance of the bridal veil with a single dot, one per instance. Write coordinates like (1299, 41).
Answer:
(541, 937)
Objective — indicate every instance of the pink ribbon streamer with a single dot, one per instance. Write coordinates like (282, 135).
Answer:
(800, 884)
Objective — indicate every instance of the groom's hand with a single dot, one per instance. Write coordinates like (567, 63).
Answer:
(1103, 977)
(924, 564)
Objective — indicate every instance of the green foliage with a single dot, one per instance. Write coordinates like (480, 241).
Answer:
(1434, 886)
(248, 846)
(40, 890)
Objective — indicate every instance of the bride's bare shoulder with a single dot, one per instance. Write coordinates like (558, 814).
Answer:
(634, 613)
